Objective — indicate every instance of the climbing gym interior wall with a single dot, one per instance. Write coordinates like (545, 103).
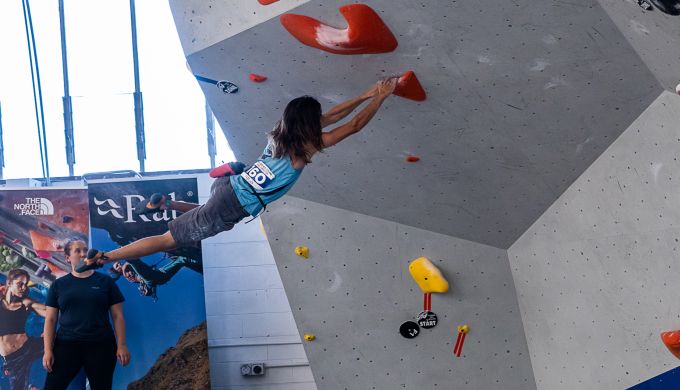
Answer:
(520, 102)
(596, 274)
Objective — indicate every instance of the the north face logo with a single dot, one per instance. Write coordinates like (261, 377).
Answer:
(35, 206)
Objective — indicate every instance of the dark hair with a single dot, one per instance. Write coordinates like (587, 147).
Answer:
(15, 274)
(69, 244)
(298, 128)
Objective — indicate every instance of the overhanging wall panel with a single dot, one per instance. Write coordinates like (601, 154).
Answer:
(355, 290)
(521, 97)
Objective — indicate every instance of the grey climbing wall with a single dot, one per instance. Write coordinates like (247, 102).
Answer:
(655, 36)
(597, 274)
(522, 96)
(355, 290)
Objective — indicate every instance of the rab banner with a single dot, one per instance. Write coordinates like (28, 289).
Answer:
(34, 226)
(164, 305)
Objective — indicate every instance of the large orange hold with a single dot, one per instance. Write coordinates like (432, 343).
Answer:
(409, 87)
(366, 33)
(672, 342)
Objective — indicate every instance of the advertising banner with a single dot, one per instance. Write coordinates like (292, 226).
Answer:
(34, 226)
(164, 305)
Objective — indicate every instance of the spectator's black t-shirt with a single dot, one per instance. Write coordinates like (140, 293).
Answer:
(84, 305)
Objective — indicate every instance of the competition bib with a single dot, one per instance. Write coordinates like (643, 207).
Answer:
(259, 176)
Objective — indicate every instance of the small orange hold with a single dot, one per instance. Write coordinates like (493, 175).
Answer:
(412, 158)
(257, 78)
(409, 87)
(267, 2)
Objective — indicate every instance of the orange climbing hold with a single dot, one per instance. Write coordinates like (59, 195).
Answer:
(267, 2)
(412, 158)
(366, 33)
(409, 87)
(257, 78)
(672, 342)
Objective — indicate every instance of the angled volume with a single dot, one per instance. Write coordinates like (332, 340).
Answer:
(366, 33)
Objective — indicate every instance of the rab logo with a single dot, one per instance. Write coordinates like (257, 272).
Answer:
(35, 206)
(109, 206)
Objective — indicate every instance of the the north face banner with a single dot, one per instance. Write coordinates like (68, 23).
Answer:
(165, 305)
(35, 224)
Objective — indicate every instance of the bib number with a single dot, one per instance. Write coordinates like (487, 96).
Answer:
(259, 175)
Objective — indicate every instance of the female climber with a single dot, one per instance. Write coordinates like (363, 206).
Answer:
(296, 137)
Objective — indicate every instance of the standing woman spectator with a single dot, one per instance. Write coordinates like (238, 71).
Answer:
(82, 301)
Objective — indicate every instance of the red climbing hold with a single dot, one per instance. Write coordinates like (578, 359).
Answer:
(409, 87)
(412, 158)
(228, 169)
(222, 170)
(672, 342)
(267, 2)
(257, 78)
(366, 33)
(45, 255)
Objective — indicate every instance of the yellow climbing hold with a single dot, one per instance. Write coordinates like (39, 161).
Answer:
(302, 251)
(309, 337)
(463, 329)
(428, 276)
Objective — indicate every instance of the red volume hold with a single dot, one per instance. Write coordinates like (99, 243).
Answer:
(267, 2)
(366, 33)
(409, 87)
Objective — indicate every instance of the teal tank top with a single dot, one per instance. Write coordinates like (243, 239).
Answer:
(269, 177)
